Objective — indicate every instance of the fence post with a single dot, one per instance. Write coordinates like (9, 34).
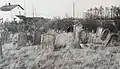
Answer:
(54, 40)
(1, 55)
(42, 41)
(74, 31)
(48, 42)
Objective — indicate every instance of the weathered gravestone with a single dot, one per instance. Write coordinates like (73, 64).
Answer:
(83, 37)
(77, 29)
(5, 35)
(97, 36)
(37, 37)
(48, 41)
(22, 39)
(105, 33)
(99, 31)
(29, 38)
(105, 36)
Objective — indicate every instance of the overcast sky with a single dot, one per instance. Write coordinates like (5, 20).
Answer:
(51, 8)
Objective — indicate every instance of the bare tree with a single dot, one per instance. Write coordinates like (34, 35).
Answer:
(118, 11)
(95, 12)
(101, 11)
(112, 8)
(107, 15)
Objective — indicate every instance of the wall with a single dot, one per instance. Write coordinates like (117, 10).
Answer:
(17, 11)
(5, 15)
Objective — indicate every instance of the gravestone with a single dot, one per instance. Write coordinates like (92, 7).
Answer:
(22, 39)
(77, 29)
(48, 41)
(105, 34)
(99, 31)
(83, 37)
(29, 38)
(37, 37)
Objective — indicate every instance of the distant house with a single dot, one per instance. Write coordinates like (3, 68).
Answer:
(9, 12)
(33, 19)
(29, 19)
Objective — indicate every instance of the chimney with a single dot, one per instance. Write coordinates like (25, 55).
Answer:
(9, 4)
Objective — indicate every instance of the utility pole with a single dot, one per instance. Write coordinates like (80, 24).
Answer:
(34, 39)
(25, 22)
(25, 8)
(33, 10)
(33, 13)
(73, 9)
(66, 15)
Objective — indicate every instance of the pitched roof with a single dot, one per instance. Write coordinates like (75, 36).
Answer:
(9, 7)
(29, 18)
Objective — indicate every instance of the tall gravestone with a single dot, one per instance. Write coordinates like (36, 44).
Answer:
(22, 39)
(83, 37)
(37, 37)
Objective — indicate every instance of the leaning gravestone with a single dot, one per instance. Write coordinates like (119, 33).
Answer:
(105, 34)
(105, 37)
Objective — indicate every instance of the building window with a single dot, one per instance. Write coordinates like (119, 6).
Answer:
(17, 7)
(19, 13)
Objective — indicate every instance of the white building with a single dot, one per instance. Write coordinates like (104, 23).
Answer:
(9, 12)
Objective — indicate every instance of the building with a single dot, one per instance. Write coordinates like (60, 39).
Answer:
(8, 12)
(29, 19)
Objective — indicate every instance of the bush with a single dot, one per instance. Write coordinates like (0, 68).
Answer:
(60, 24)
(12, 28)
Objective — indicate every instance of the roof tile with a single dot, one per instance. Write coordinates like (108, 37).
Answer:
(9, 7)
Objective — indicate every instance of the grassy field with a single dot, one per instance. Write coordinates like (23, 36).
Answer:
(96, 56)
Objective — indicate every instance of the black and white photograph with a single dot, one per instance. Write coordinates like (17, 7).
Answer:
(59, 34)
